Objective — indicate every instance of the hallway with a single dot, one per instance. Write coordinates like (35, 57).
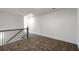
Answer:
(58, 25)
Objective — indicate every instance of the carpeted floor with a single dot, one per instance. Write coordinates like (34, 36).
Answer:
(39, 43)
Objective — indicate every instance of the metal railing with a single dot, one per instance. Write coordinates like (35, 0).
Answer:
(14, 35)
(8, 35)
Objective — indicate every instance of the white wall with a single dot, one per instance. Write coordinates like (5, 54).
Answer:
(10, 21)
(78, 27)
(34, 25)
(60, 24)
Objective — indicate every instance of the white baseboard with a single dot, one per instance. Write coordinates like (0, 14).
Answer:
(52, 37)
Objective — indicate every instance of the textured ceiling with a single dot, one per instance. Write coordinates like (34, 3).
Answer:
(26, 11)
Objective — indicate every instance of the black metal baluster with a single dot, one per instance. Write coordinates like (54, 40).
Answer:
(2, 41)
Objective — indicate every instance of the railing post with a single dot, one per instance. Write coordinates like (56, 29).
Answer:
(27, 32)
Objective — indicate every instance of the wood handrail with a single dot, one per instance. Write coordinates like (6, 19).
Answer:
(11, 30)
